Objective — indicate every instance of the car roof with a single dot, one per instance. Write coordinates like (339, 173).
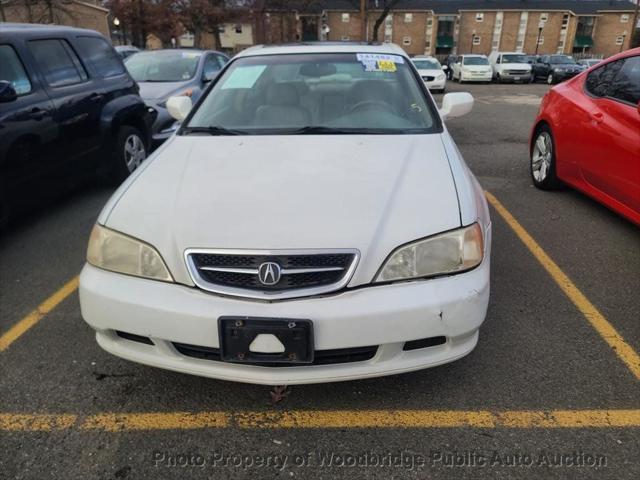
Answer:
(472, 55)
(322, 47)
(25, 29)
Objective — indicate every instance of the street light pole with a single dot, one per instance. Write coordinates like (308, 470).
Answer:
(540, 27)
(624, 37)
(473, 39)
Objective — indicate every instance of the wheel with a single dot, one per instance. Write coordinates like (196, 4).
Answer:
(543, 160)
(129, 152)
(551, 79)
(498, 79)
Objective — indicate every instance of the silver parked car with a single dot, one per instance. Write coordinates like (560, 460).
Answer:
(168, 73)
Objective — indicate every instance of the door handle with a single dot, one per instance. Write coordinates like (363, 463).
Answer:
(96, 97)
(38, 113)
(597, 117)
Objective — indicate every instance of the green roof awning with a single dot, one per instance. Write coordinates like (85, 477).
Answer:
(583, 41)
(445, 42)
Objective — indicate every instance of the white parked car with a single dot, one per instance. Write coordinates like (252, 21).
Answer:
(431, 73)
(510, 67)
(472, 68)
(311, 213)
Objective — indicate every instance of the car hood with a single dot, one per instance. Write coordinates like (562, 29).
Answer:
(159, 90)
(371, 193)
(430, 73)
(571, 66)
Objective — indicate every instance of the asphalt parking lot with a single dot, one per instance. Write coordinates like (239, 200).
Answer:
(551, 391)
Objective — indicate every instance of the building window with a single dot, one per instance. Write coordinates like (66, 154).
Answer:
(479, 17)
(239, 28)
(624, 18)
(345, 38)
(346, 18)
(406, 41)
(408, 17)
(476, 39)
(585, 26)
(619, 40)
(544, 17)
(429, 22)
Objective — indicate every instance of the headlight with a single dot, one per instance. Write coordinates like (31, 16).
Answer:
(119, 253)
(440, 76)
(558, 69)
(450, 252)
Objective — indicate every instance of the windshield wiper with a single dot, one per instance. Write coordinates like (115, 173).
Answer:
(320, 130)
(212, 130)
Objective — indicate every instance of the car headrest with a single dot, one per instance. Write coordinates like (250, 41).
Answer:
(283, 94)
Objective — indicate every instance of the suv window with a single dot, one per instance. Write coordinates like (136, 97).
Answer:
(626, 84)
(599, 80)
(101, 56)
(58, 62)
(11, 70)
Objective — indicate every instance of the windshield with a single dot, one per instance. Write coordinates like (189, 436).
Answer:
(163, 66)
(315, 94)
(514, 59)
(561, 59)
(427, 64)
(475, 61)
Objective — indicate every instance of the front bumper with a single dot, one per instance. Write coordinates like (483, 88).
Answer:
(470, 77)
(561, 76)
(436, 84)
(386, 316)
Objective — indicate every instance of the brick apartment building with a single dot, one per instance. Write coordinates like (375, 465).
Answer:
(591, 27)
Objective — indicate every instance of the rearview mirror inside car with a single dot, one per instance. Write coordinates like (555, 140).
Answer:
(179, 107)
(7, 92)
(456, 105)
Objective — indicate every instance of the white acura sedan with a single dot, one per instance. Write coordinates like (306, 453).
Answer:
(310, 221)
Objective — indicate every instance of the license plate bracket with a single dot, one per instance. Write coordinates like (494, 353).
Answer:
(237, 333)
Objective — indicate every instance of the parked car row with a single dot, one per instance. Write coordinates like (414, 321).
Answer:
(514, 67)
(70, 109)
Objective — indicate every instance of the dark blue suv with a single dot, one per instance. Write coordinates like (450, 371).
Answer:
(68, 110)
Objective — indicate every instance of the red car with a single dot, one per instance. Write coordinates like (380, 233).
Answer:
(587, 135)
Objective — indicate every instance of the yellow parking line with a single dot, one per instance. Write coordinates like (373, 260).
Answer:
(35, 422)
(625, 352)
(327, 419)
(36, 315)
(113, 422)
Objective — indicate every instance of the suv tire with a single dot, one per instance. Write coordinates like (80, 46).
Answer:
(129, 152)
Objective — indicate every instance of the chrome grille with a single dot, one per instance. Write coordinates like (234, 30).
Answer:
(271, 274)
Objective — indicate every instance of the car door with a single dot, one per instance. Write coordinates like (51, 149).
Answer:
(610, 153)
(77, 102)
(28, 133)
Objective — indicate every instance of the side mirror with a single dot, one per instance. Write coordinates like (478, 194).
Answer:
(456, 105)
(444, 68)
(7, 92)
(179, 107)
(208, 77)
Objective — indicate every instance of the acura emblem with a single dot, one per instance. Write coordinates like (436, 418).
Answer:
(269, 273)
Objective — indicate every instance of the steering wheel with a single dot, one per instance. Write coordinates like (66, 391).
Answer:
(368, 104)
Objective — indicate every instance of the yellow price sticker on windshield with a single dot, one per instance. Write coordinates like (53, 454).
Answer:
(386, 66)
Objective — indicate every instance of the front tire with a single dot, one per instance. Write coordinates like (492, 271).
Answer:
(543, 160)
(129, 152)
